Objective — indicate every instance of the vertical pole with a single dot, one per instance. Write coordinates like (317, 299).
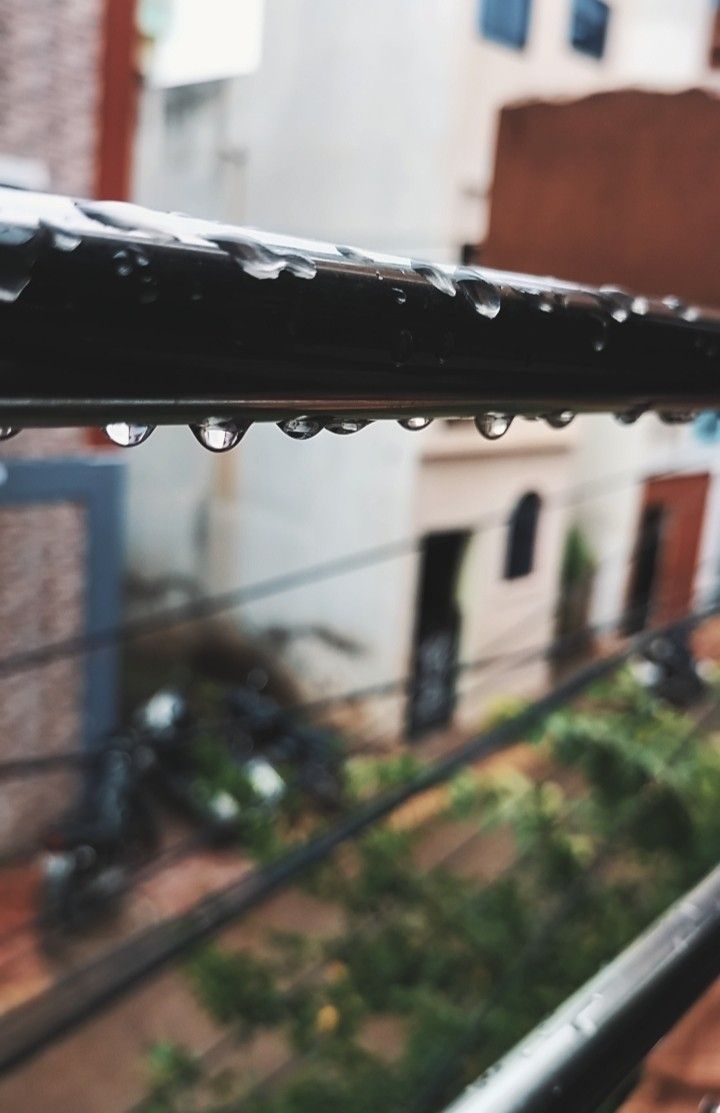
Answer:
(119, 81)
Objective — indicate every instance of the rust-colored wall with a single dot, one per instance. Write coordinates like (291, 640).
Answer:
(620, 187)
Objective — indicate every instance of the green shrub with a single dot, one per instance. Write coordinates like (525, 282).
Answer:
(236, 987)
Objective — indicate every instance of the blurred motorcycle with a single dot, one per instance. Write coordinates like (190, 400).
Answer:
(668, 669)
(311, 756)
(199, 779)
(88, 854)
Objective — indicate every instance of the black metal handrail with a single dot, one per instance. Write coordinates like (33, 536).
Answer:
(111, 313)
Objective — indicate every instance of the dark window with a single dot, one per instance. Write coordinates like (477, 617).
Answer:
(505, 21)
(437, 633)
(522, 531)
(588, 30)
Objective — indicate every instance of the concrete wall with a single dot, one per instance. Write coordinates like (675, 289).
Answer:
(465, 483)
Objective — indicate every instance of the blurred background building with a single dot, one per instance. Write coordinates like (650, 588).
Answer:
(577, 138)
(379, 127)
(386, 125)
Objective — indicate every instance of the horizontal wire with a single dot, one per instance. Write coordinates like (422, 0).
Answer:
(110, 975)
(208, 606)
(16, 768)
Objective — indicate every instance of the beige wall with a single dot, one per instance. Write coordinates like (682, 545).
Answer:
(467, 483)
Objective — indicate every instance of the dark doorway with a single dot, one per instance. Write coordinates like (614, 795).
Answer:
(437, 633)
(664, 565)
(646, 559)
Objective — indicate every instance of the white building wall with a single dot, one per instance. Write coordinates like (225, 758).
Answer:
(370, 123)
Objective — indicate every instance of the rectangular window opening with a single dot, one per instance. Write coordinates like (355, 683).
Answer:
(505, 22)
(589, 27)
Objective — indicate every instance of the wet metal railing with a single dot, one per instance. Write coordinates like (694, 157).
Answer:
(579, 1057)
(115, 315)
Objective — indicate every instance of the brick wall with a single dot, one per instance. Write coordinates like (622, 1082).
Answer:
(49, 92)
(49, 88)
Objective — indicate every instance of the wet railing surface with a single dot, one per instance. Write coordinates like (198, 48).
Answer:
(119, 316)
(578, 1057)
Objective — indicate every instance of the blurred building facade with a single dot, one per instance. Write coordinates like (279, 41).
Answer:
(377, 126)
(623, 182)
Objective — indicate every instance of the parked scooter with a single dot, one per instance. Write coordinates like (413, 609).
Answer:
(89, 854)
(669, 670)
(166, 724)
(311, 756)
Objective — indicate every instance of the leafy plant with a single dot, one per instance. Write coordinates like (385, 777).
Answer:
(626, 823)
(236, 987)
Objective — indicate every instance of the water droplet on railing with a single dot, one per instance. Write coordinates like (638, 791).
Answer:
(123, 263)
(415, 423)
(402, 346)
(437, 277)
(640, 306)
(148, 289)
(19, 248)
(545, 302)
(301, 428)
(344, 426)
(260, 261)
(492, 426)
(559, 420)
(65, 241)
(600, 337)
(483, 296)
(627, 417)
(585, 1025)
(8, 431)
(399, 295)
(219, 435)
(676, 417)
(619, 302)
(353, 255)
(126, 434)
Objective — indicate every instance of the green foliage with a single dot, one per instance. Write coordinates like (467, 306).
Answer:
(368, 776)
(173, 1071)
(578, 562)
(218, 773)
(503, 709)
(236, 987)
(628, 821)
(386, 871)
